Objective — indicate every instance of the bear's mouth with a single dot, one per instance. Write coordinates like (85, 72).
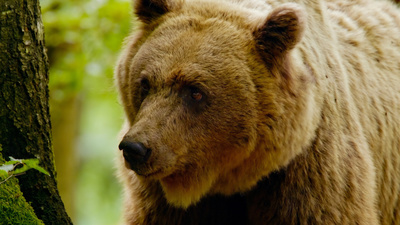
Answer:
(157, 174)
(148, 173)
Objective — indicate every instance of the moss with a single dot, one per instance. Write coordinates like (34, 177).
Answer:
(13, 207)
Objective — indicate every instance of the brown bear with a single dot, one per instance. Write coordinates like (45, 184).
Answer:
(261, 112)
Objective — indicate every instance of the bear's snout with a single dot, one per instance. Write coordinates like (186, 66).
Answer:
(135, 154)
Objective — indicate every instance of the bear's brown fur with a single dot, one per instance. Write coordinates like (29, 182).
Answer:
(262, 112)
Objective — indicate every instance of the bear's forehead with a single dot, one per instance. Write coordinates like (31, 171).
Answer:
(195, 47)
(185, 30)
(205, 30)
(243, 12)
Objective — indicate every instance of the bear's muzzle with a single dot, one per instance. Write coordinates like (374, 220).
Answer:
(135, 154)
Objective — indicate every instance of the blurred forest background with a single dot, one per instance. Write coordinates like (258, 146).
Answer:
(84, 38)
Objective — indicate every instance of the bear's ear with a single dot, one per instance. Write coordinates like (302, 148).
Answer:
(281, 31)
(149, 10)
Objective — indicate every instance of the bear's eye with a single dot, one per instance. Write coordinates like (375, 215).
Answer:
(196, 95)
(144, 87)
(194, 98)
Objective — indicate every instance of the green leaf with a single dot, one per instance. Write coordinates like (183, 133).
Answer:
(20, 170)
(30, 164)
(12, 162)
(14, 159)
(34, 164)
(40, 169)
(27, 164)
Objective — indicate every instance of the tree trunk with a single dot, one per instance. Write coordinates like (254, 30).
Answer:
(25, 129)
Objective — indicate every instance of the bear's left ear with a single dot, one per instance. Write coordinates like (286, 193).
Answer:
(149, 10)
(281, 31)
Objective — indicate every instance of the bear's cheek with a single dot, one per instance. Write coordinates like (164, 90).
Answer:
(197, 165)
(187, 186)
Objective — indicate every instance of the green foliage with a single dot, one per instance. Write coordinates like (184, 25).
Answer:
(13, 207)
(16, 167)
(83, 39)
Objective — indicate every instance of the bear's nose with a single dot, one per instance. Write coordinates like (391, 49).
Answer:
(135, 153)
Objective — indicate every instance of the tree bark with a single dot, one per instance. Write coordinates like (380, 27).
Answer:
(25, 129)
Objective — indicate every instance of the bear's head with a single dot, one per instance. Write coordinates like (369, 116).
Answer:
(213, 98)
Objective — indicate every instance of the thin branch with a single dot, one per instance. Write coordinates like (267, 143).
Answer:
(12, 175)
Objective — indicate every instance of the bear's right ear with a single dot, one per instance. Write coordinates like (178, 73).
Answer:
(281, 31)
(149, 10)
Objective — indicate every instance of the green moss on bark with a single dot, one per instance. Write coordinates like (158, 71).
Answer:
(13, 207)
